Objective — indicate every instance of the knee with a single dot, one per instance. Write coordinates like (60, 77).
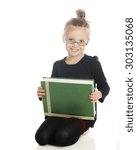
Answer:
(64, 138)
(41, 138)
(61, 137)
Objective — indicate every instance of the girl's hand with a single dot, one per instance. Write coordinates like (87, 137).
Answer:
(40, 92)
(94, 96)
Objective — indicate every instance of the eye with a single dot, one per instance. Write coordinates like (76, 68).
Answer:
(81, 41)
(71, 40)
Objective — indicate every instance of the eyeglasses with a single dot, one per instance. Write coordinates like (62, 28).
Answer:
(80, 42)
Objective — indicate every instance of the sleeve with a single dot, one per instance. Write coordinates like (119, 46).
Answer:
(54, 70)
(100, 79)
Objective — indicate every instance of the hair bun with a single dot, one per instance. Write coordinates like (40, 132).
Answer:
(80, 14)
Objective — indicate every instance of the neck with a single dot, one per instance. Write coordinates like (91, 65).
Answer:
(74, 59)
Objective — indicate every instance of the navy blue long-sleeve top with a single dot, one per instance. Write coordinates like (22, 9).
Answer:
(88, 67)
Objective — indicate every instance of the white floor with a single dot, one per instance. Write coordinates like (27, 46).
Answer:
(18, 130)
(85, 142)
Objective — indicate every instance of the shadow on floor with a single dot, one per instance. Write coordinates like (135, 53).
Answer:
(85, 142)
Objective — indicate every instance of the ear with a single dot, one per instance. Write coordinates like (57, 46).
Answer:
(88, 41)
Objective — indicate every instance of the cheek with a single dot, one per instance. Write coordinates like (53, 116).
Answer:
(82, 48)
(67, 47)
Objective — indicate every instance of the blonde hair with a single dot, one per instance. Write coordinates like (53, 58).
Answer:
(80, 21)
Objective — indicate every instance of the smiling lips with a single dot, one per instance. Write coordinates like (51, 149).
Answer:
(74, 50)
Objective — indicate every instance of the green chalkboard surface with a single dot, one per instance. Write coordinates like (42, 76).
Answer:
(68, 98)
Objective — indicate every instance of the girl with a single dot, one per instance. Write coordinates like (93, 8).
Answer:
(66, 131)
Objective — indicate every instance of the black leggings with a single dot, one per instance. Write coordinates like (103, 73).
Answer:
(59, 131)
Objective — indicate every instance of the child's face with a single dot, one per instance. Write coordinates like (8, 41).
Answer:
(76, 39)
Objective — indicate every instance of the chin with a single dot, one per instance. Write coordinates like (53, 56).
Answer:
(74, 53)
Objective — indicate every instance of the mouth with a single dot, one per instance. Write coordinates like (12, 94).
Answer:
(74, 50)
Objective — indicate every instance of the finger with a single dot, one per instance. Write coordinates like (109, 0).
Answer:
(93, 97)
(93, 100)
(41, 91)
(40, 87)
(96, 89)
(41, 94)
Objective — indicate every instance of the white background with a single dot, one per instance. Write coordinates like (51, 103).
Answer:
(30, 42)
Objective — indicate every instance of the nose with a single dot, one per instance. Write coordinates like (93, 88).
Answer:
(75, 44)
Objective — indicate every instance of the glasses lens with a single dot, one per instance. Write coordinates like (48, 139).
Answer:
(72, 41)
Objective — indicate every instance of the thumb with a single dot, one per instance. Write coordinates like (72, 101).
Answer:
(96, 89)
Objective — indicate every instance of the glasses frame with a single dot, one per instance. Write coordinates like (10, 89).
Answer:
(72, 42)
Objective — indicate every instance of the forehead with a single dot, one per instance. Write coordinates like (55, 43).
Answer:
(77, 32)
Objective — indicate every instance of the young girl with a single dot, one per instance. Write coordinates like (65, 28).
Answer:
(66, 131)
